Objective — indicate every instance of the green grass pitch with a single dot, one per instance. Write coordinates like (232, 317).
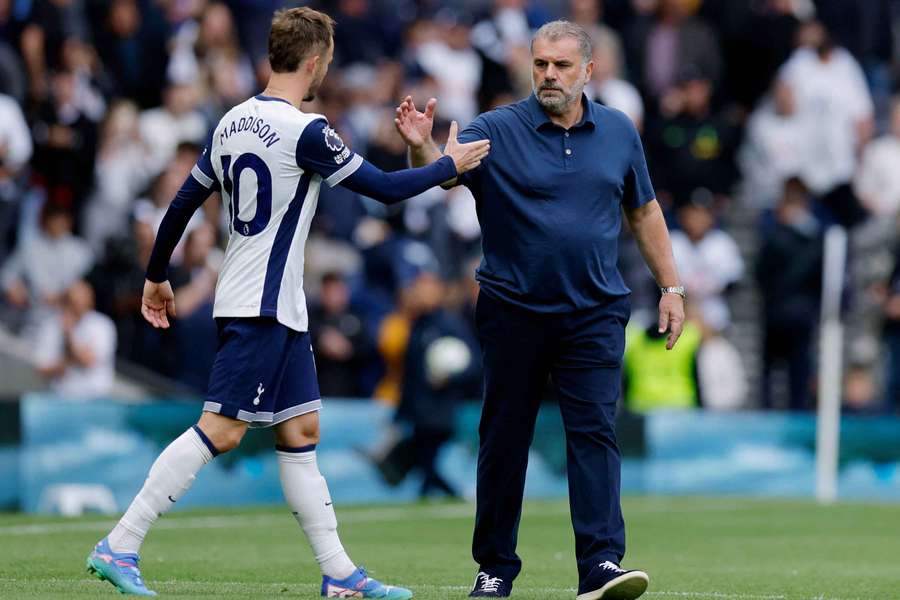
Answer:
(693, 548)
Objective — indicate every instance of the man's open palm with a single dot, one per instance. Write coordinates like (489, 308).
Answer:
(414, 126)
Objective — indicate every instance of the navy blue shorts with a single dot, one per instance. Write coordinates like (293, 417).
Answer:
(264, 372)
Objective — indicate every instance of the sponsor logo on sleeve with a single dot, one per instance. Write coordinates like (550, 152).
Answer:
(334, 143)
(332, 139)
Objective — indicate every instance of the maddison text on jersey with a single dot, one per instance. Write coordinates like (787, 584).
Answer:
(252, 124)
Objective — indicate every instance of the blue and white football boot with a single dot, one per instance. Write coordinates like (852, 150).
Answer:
(360, 585)
(118, 568)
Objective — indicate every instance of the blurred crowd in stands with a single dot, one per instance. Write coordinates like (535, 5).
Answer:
(764, 122)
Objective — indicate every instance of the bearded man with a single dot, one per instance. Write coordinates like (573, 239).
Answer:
(552, 302)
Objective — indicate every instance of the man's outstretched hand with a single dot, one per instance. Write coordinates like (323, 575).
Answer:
(465, 156)
(158, 303)
(414, 126)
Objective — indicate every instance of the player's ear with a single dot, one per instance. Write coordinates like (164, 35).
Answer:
(312, 63)
(589, 68)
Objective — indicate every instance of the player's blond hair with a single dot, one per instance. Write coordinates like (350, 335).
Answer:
(296, 34)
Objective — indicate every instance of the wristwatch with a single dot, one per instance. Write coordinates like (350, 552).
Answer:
(673, 290)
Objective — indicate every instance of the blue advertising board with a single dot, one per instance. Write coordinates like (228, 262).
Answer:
(110, 446)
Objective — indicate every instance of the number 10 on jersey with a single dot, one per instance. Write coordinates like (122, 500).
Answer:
(231, 186)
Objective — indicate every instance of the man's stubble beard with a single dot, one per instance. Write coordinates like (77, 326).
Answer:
(313, 90)
(557, 106)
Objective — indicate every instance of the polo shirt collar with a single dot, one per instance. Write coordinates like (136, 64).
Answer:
(539, 118)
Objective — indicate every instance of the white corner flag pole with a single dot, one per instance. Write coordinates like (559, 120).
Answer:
(831, 351)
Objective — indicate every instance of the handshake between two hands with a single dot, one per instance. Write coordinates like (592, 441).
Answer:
(415, 129)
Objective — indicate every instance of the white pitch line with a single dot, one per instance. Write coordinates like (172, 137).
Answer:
(222, 521)
(382, 514)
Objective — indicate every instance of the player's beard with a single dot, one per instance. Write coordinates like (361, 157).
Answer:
(556, 104)
(311, 92)
(314, 88)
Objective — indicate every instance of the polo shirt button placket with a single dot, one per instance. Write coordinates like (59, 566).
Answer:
(567, 151)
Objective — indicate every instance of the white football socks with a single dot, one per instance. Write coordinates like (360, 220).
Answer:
(170, 477)
(307, 494)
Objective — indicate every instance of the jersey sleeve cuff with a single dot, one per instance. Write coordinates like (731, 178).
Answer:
(345, 171)
(202, 178)
(156, 274)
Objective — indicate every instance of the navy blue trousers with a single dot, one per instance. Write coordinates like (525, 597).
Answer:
(581, 352)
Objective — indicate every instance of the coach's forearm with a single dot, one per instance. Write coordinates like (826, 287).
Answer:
(649, 229)
(425, 154)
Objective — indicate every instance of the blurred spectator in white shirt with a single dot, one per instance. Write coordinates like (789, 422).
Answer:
(721, 374)
(450, 60)
(774, 147)
(606, 85)
(502, 41)
(176, 121)
(877, 182)
(370, 92)
(834, 103)
(709, 263)
(121, 173)
(15, 152)
(15, 139)
(207, 52)
(149, 212)
(43, 266)
(80, 59)
(75, 347)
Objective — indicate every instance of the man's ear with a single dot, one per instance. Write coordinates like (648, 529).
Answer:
(589, 68)
(312, 63)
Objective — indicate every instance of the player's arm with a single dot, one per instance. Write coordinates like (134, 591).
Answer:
(158, 301)
(322, 151)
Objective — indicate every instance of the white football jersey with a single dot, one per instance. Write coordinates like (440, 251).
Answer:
(269, 159)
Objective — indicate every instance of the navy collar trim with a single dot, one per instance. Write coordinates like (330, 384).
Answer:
(539, 118)
(271, 99)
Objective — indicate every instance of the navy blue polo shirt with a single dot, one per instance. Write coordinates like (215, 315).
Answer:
(548, 200)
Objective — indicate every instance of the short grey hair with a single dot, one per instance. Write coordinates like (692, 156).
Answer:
(555, 30)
